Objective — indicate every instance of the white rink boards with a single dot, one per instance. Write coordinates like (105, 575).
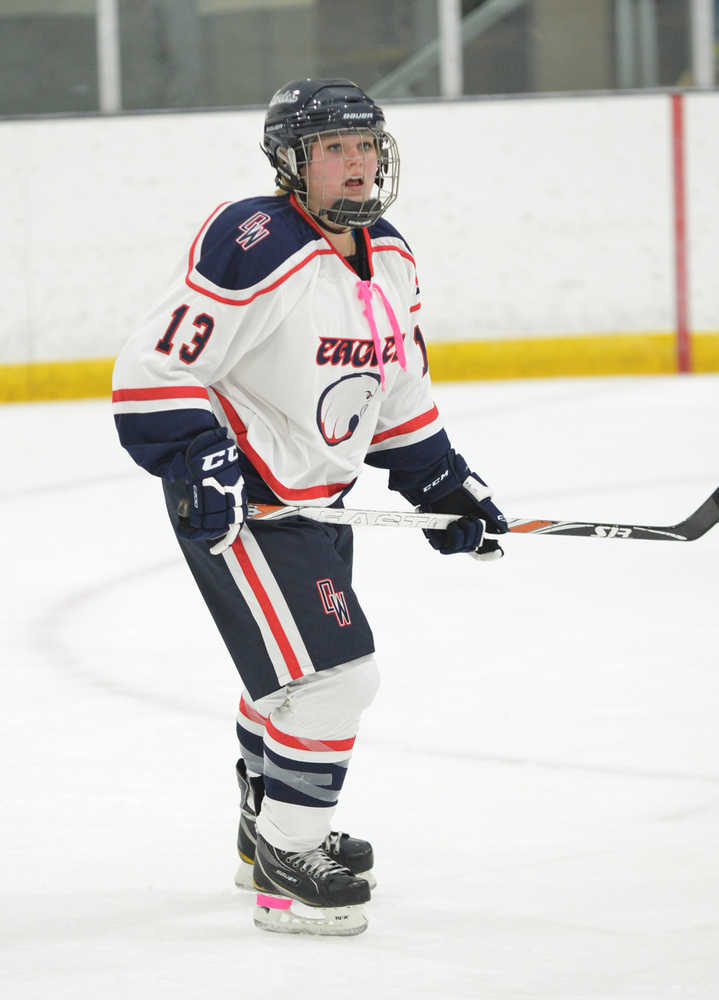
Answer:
(528, 218)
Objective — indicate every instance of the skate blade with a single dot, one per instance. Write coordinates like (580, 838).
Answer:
(289, 916)
(244, 878)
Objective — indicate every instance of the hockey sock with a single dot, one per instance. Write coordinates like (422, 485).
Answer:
(303, 779)
(300, 739)
(250, 728)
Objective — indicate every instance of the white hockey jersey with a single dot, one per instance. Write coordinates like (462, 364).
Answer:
(269, 332)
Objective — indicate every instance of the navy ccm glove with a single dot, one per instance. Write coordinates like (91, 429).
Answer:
(453, 489)
(218, 500)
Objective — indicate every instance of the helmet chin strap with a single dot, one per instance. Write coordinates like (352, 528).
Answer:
(342, 213)
(321, 217)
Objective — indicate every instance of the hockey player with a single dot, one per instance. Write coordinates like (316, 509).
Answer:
(285, 354)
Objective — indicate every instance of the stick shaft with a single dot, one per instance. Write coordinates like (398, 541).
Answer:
(696, 525)
(355, 518)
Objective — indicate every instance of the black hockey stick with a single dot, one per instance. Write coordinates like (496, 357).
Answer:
(696, 525)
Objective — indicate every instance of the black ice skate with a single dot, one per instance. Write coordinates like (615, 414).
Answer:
(307, 893)
(357, 855)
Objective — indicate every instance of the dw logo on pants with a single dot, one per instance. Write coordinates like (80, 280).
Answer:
(334, 602)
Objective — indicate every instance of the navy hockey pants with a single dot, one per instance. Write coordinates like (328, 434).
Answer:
(281, 598)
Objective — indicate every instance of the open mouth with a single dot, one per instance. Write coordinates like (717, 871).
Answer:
(354, 183)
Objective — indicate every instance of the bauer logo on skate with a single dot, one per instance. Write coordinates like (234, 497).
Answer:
(254, 230)
(334, 602)
(343, 404)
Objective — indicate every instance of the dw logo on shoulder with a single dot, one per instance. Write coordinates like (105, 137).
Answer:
(253, 230)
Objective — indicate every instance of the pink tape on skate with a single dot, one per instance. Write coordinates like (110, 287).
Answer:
(273, 902)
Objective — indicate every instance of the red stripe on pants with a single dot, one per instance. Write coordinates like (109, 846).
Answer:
(268, 611)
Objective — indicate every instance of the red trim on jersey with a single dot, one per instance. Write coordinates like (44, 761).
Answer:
(329, 249)
(411, 425)
(269, 612)
(368, 245)
(163, 392)
(402, 253)
(371, 248)
(407, 256)
(201, 231)
(301, 743)
(308, 219)
(251, 713)
(311, 493)
(262, 291)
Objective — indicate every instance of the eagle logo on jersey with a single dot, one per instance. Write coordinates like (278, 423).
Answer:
(253, 230)
(342, 405)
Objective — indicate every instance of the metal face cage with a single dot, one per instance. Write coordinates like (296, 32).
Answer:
(325, 196)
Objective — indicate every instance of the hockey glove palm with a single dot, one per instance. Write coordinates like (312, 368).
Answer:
(473, 500)
(218, 500)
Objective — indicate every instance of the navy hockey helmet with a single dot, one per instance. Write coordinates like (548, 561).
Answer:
(301, 111)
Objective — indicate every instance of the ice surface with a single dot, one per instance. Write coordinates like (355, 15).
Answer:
(539, 773)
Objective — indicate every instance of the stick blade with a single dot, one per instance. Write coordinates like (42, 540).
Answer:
(696, 525)
(704, 518)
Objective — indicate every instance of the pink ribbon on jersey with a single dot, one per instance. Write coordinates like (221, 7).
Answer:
(364, 292)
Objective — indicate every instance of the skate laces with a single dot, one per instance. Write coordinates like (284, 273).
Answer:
(364, 292)
(316, 862)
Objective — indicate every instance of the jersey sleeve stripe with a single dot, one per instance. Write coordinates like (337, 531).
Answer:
(406, 428)
(157, 406)
(160, 392)
(284, 492)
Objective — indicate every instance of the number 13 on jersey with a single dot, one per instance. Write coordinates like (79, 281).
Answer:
(204, 323)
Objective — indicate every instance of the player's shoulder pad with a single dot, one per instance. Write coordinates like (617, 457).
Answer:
(382, 228)
(250, 239)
